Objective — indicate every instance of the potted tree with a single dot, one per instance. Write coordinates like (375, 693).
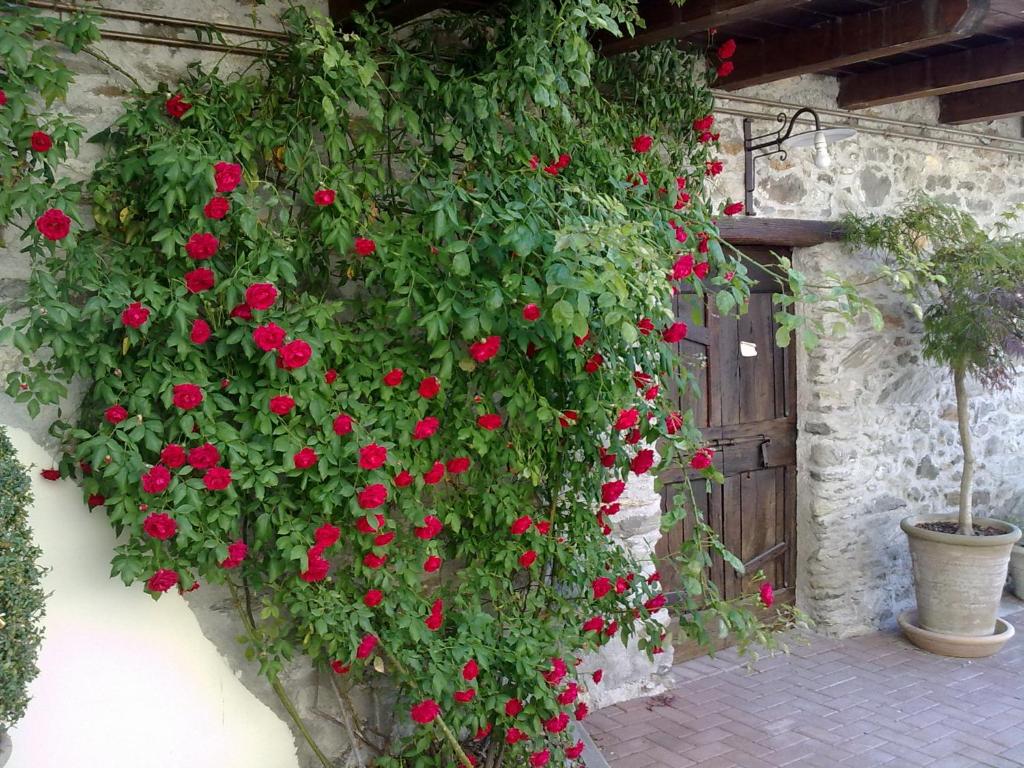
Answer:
(21, 594)
(966, 285)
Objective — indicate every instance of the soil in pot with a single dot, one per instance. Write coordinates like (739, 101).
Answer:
(951, 527)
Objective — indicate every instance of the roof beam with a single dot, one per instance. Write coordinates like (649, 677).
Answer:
(899, 28)
(934, 76)
(664, 20)
(982, 104)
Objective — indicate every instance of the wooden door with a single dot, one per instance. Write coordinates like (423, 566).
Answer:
(747, 412)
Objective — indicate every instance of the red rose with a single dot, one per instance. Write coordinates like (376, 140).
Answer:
(528, 558)
(372, 456)
(115, 414)
(365, 525)
(531, 312)
(513, 707)
(217, 478)
(156, 480)
(430, 529)
(702, 459)
(581, 709)
(601, 586)
(656, 603)
(598, 675)
(701, 270)
(3, 97)
(135, 315)
(766, 595)
(373, 562)
(627, 419)
(563, 160)
(217, 208)
(294, 354)
(268, 337)
(434, 475)
(160, 526)
(227, 176)
(512, 735)
(642, 143)
(593, 624)
(429, 387)
(552, 169)
(173, 456)
(237, 550)
(575, 751)
(330, 376)
(96, 500)
(425, 711)
(482, 351)
(200, 332)
(593, 363)
(187, 396)
(199, 280)
(733, 208)
(470, 670)
(466, 696)
(539, 759)
(534, 162)
(340, 667)
(281, 404)
(316, 568)
(366, 646)
(713, 167)
(305, 458)
(50, 474)
(242, 312)
(675, 332)
(579, 341)
(342, 424)
(383, 539)
(432, 563)
(373, 598)
(645, 326)
(683, 267)
(700, 125)
(434, 621)
(403, 479)
(458, 465)
(673, 422)
(725, 69)
(542, 526)
(521, 525)
(727, 49)
(568, 418)
(176, 106)
(489, 421)
(204, 456)
(323, 197)
(394, 377)
(41, 142)
(162, 580)
(557, 672)
(642, 462)
(201, 246)
(260, 295)
(372, 496)
(326, 535)
(54, 224)
(611, 491)
(425, 428)
(364, 246)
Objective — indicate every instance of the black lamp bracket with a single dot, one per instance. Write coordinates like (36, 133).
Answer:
(766, 145)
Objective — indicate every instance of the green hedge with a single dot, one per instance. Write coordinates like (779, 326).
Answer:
(21, 594)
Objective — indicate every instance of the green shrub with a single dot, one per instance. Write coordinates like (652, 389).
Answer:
(21, 594)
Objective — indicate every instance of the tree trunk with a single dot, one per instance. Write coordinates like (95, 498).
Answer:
(963, 418)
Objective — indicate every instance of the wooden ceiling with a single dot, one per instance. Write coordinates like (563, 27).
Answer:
(969, 53)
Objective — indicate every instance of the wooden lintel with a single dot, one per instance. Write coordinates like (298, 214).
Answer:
(885, 31)
(934, 76)
(666, 20)
(982, 104)
(799, 233)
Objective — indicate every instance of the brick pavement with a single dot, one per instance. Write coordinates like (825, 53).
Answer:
(855, 703)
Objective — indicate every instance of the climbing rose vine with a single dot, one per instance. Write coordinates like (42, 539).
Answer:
(375, 335)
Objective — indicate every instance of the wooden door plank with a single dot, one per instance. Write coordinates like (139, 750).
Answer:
(733, 499)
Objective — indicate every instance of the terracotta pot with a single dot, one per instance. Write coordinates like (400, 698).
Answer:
(958, 579)
(1017, 570)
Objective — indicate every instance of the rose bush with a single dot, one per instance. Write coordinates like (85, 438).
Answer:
(376, 335)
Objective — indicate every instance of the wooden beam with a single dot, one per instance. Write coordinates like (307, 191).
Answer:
(934, 76)
(982, 104)
(899, 28)
(665, 20)
(799, 233)
(396, 13)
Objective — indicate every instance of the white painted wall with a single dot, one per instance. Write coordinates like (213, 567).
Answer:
(126, 681)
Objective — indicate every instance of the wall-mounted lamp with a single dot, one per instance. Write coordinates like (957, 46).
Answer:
(781, 141)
